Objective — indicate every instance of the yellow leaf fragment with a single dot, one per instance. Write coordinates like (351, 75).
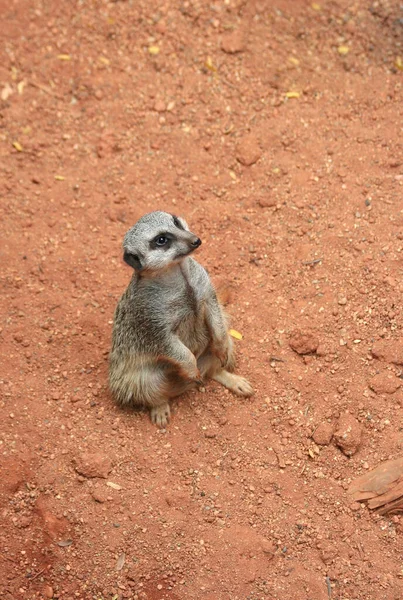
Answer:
(232, 174)
(311, 453)
(20, 86)
(316, 6)
(6, 92)
(104, 60)
(399, 63)
(114, 486)
(17, 146)
(64, 56)
(235, 334)
(292, 94)
(59, 178)
(343, 50)
(293, 60)
(153, 50)
(209, 65)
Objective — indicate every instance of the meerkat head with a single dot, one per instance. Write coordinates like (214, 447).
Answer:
(158, 240)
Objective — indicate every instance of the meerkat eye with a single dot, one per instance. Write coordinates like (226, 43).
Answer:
(161, 240)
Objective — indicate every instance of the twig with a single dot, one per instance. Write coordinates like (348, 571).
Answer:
(312, 262)
(274, 358)
(37, 575)
(329, 587)
(45, 89)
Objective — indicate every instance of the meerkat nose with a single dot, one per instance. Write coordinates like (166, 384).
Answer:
(196, 243)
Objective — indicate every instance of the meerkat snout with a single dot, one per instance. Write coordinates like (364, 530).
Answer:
(196, 243)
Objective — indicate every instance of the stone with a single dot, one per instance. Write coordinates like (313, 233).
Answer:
(99, 495)
(267, 201)
(268, 548)
(390, 351)
(303, 342)
(233, 42)
(323, 434)
(348, 434)
(48, 591)
(93, 464)
(248, 150)
(385, 383)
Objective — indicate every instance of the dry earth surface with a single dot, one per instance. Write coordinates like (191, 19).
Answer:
(275, 129)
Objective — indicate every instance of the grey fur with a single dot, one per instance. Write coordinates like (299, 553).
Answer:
(170, 331)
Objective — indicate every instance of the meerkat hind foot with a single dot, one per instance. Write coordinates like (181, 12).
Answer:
(235, 383)
(160, 415)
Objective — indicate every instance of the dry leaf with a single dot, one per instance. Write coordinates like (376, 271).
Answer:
(316, 6)
(59, 178)
(120, 561)
(343, 50)
(104, 60)
(17, 146)
(20, 86)
(114, 486)
(399, 63)
(235, 334)
(292, 94)
(153, 50)
(209, 65)
(6, 92)
(293, 60)
(64, 56)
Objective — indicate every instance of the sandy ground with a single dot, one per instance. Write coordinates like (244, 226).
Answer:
(275, 129)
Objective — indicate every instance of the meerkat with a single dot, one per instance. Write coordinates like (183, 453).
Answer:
(170, 332)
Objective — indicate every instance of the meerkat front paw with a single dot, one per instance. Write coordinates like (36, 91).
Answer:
(241, 386)
(160, 415)
(237, 384)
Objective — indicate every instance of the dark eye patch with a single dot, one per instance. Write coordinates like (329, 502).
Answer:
(156, 246)
(177, 223)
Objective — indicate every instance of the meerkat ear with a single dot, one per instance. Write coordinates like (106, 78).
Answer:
(133, 261)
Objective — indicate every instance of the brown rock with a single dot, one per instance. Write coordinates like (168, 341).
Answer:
(267, 201)
(48, 591)
(248, 150)
(323, 434)
(348, 434)
(234, 42)
(268, 548)
(303, 342)
(93, 464)
(385, 383)
(99, 495)
(390, 351)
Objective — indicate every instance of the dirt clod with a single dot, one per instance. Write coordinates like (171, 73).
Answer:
(93, 464)
(323, 433)
(348, 434)
(385, 383)
(248, 150)
(390, 351)
(303, 342)
(234, 42)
